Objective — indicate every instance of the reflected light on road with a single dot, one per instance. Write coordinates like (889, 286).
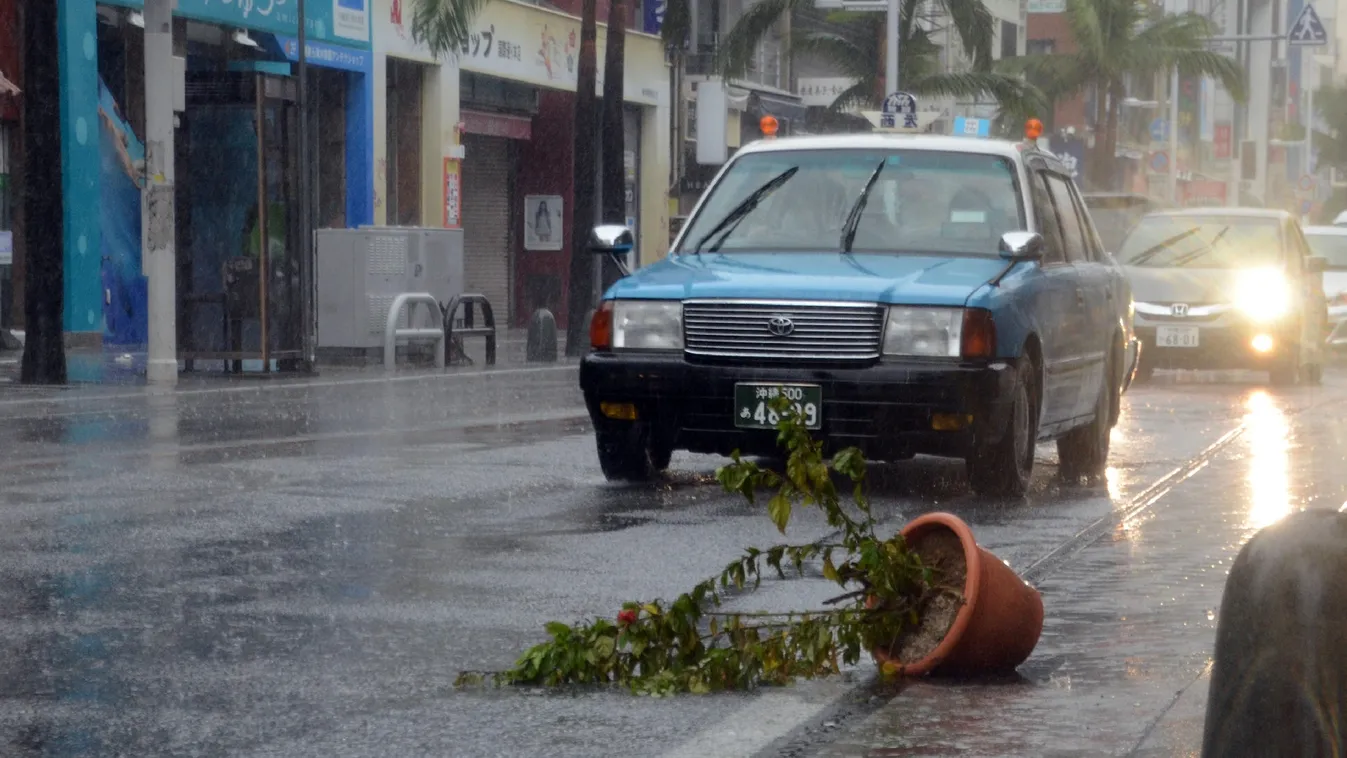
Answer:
(1113, 478)
(1269, 461)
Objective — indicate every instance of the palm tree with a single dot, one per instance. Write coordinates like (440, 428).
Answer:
(858, 48)
(1117, 40)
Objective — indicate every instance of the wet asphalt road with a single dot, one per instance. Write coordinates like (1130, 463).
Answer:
(302, 570)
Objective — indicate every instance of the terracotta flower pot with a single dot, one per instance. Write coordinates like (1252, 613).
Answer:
(998, 624)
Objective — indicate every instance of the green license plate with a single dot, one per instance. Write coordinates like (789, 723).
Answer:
(751, 402)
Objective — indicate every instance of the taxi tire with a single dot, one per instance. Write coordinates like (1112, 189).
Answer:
(627, 455)
(1286, 372)
(1004, 469)
(1083, 451)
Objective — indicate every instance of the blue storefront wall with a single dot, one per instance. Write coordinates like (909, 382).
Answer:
(338, 38)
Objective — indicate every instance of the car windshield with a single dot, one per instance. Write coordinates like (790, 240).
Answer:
(920, 201)
(1203, 242)
(1332, 247)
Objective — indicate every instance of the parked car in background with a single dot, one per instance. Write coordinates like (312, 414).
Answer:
(1226, 288)
(907, 294)
(1115, 213)
(1330, 243)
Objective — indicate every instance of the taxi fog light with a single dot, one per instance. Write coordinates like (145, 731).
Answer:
(950, 422)
(1262, 343)
(619, 411)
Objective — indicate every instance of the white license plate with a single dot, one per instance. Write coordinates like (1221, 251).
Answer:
(1176, 336)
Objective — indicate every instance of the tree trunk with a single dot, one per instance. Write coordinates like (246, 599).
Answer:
(44, 276)
(613, 130)
(1115, 97)
(582, 207)
(1099, 167)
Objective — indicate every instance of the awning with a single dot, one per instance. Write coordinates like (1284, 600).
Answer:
(781, 107)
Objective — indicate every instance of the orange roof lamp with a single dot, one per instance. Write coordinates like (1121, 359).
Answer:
(1033, 129)
(769, 126)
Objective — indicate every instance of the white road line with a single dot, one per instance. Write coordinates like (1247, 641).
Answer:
(751, 729)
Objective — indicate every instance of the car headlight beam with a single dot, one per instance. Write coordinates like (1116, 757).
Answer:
(1263, 294)
(923, 332)
(647, 325)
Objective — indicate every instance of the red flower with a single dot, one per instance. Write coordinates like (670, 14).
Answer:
(626, 617)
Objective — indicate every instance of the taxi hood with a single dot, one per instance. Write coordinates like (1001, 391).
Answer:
(896, 278)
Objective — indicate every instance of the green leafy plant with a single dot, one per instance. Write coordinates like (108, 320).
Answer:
(690, 645)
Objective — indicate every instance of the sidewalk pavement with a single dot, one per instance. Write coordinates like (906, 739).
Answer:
(1124, 662)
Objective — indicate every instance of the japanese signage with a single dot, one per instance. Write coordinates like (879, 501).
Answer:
(541, 47)
(899, 109)
(1221, 142)
(1046, 6)
(345, 22)
(453, 197)
(332, 56)
(822, 91)
(654, 16)
(393, 30)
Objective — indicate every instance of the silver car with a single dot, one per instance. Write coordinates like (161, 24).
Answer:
(1225, 288)
(1330, 243)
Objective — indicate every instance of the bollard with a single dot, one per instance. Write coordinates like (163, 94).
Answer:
(542, 337)
(1279, 681)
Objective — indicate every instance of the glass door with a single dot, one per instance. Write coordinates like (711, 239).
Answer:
(280, 267)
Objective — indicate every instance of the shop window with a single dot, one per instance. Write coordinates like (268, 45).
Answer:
(403, 193)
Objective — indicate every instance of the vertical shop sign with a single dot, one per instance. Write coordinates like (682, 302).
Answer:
(1221, 141)
(453, 198)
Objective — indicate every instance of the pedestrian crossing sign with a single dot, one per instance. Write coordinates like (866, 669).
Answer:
(1308, 30)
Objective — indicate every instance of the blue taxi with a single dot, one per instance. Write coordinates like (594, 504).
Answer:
(910, 294)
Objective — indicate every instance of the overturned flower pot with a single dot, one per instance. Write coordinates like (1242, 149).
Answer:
(989, 626)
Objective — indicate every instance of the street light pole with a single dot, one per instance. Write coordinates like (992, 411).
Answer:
(891, 64)
(158, 208)
(1174, 136)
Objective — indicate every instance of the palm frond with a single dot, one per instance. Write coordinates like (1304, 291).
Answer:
(740, 44)
(1087, 28)
(842, 53)
(445, 25)
(1057, 75)
(976, 28)
(1010, 92)
(677, 22)
(858, 95)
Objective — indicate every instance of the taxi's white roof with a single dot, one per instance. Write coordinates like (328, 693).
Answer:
(1336, 231)
(890, 141)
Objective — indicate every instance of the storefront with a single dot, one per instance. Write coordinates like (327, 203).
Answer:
(502, 147)
(235, 183)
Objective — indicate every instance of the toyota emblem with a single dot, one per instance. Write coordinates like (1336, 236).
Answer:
(1180, 310)
(780, 326)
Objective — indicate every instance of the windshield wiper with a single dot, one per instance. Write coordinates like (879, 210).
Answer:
(854, 215)
(1184, 260)
(744, 208)
(1154, 250)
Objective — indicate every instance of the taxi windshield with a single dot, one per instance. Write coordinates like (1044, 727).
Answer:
(1203, 242)
(919, 201)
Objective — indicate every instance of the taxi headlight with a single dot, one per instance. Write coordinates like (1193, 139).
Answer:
(1263, 294)
(929, 332)
(647, 325)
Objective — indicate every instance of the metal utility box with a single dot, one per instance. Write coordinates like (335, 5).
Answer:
(358, 272)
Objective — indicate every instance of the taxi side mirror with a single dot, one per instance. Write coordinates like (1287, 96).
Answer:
(614, 239)
(1317, 264)
(1021, 246)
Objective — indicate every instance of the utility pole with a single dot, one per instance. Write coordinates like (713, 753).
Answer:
(1174, 136)
(158, 207)
(307, 261)
(891, 64)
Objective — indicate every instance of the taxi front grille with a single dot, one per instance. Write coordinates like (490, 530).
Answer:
(782, 330)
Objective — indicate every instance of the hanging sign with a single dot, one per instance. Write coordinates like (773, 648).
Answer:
(453, 194)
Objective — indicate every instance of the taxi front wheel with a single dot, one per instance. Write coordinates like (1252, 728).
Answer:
(1004, 468)
(631, 453)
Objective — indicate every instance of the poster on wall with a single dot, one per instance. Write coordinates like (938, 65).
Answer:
(453, 197)
(542, 222)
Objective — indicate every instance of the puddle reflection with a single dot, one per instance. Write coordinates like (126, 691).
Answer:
(1268, 432)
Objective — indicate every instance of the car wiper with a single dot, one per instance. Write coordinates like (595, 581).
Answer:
(1184, 260)
(744, 208)
(854, 215)
(1156, 249)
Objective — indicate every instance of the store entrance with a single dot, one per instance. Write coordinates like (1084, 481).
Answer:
(241, 301)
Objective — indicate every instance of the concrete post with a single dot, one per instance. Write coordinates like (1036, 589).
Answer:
(891, 62)
(158, 208)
